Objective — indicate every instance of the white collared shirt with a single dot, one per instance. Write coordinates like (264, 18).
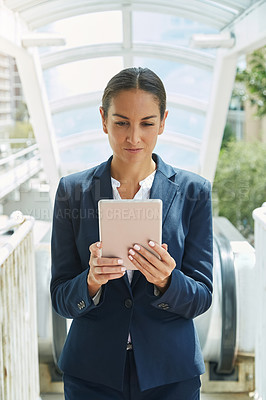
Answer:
(142, 194)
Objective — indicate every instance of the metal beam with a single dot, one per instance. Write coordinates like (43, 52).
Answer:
(39, 13)
(180, 140)
(36, 98)
(223, 81)
(170, 53)
(42, 39)
(33, 88)
(174, 138)
(187, 103)
(238, 5)
(74, 102)
(94, 99)
(127, 35)
(249, 30)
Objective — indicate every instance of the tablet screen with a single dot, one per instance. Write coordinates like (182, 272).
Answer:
(123, 223)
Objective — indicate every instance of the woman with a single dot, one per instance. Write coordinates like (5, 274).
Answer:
(132, 335)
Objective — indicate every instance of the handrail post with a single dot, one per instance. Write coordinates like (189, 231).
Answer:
(259, 216)
(19, 364)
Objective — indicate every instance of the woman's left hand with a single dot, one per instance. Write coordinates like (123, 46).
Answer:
(157, 271)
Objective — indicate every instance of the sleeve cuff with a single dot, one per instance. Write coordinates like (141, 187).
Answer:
(96, 298)
(156, 291)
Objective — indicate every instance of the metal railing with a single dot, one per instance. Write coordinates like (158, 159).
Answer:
(17, 168)
(19, 367)
(259, 216)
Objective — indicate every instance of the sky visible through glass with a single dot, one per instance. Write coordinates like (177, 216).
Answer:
(91, 75)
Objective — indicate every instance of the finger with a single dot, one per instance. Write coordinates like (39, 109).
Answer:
(153, 259)
(149, 262)
(109, 270)
(107, 261)
(139, 265)
(160, 250)
(165, 246)
(94, 248)
(114, 276)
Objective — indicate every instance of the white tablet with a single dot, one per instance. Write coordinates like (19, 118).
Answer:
(122, 223)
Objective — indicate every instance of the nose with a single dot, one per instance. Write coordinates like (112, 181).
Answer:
(133, 136)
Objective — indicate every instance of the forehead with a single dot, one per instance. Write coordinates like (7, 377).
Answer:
(135, 101)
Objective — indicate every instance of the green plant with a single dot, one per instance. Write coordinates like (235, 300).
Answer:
(254, 81)
(240, 184)
(229, 136)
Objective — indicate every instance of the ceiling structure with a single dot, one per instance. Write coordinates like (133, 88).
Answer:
(66, 52)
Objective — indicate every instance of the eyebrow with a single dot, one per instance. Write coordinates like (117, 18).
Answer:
(142, 119)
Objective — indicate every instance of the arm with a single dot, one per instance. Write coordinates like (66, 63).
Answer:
(69, 291)
(76, 289)
(188, 291)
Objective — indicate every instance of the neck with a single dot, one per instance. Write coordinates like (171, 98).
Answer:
(133, 173)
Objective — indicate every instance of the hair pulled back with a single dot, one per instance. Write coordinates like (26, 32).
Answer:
(135, 78)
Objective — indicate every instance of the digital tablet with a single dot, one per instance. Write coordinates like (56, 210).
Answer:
(123, 223)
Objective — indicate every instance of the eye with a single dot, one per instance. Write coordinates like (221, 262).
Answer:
(121, 123)
(147, 124)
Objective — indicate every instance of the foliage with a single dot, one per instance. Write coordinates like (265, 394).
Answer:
(22, 128)
(240, 184)
(229, 136)
(254, 80)
(22, 113)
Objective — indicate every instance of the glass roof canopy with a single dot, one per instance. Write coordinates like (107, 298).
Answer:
(104, 37)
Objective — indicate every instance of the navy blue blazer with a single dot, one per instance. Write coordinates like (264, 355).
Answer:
(166, 346)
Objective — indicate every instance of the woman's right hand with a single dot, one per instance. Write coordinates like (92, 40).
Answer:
(102, 269)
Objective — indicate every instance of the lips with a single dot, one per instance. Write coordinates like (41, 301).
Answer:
(133, 150)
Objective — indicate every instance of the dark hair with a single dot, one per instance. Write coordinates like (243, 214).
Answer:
(135, 78)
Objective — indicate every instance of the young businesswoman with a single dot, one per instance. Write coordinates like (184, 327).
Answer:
(132, 335)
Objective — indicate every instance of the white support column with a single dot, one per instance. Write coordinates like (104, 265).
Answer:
(249, 30)
(127, 35)
(223, 81)
(259, 216)
(36, 98)
(35, 95)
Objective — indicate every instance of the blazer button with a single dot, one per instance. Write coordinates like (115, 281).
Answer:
(164, 306)
(128, 303)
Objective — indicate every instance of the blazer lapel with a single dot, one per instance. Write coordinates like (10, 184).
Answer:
(101, 187)
(163, 188)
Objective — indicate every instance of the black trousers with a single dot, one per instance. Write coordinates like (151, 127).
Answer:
(78, 389)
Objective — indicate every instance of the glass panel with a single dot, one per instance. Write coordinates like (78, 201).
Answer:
(165, 29)
(85, 156)
(93, 153)
(177, 156)
(16, 131)
(80, 76)
(87, 29)
(77, 120)
(185, 122)
(180, 78)
(88, 118)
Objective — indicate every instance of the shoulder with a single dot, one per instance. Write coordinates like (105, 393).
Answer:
(187, 178)
(81, 179)
(190, 185)
(183, 178)
(193, 187)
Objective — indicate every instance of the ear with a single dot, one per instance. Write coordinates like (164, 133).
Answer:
(104, 121)
(162, 123)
